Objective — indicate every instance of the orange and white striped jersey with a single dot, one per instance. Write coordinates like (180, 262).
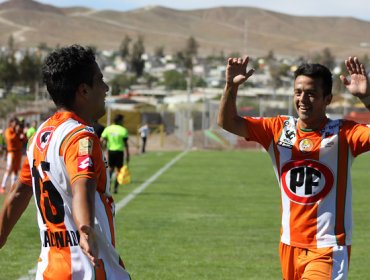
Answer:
(62, 150)
(313, 171)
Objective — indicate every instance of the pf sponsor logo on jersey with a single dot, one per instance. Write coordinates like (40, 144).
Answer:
(306, 181)
(44, 137)
(84, 163)
(306, 145)
(85, 146)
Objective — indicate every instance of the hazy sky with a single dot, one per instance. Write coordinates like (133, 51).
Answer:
(353, 8)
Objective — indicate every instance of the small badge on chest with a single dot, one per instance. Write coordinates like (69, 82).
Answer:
(306, 145)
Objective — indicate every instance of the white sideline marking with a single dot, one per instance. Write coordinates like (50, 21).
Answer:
(30, 275)
(122, 203)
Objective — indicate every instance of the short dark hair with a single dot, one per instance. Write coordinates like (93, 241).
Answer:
(118, 118)
(65, 69)
(316, 71)
(13, 119)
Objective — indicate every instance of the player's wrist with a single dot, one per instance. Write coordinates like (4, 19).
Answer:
(366, 100)
(87, 231)
(231, 86)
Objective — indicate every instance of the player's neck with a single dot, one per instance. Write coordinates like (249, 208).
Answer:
(307, 126)
(84, 117)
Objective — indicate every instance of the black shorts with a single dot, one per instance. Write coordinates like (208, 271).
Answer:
(115, 159)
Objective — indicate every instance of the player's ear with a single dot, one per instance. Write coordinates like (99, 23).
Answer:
(328, 99)
(82, 91)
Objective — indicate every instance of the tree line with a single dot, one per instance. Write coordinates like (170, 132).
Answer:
(25, 70)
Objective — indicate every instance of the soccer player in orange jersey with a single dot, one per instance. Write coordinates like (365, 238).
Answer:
(67, 173)
(312, 156)
(14, 140)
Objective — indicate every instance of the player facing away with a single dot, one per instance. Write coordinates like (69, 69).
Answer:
(312, 156)
(66, 172)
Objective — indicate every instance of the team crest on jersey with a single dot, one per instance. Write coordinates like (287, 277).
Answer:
(84, 163)
(44, 137)
(306, 181)
(306, 145)
(85, 146)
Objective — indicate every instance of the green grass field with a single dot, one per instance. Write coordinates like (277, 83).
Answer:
(212, 215)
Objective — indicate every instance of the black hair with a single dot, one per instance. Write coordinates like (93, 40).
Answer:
(316, 71)
(13, 119)
(65, 69)
(118, 119)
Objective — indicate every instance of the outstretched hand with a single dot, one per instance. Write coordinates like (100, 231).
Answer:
(358, 85)
(236, 71)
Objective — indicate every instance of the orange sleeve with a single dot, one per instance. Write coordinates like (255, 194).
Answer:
(8, 134)
(25, 176)
(262, 130)
(358, 137)
(83, 156)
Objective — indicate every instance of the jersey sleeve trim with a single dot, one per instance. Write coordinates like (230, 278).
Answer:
(67, 138)
(81, 176)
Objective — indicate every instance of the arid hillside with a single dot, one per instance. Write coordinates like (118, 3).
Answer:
(227, 29)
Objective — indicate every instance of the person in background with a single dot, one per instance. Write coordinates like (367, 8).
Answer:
(115, 138)
(14, 139)
(65, 170)
(26, 126)
(31, 130)
(312, 156)
(98, 128)
(144, 133)
(2, 145)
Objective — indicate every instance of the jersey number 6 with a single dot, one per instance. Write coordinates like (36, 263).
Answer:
(49, 201)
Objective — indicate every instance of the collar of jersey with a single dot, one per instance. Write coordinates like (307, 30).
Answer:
(314, 130)
(68, 115)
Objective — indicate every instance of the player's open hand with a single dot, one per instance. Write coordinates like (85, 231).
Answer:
(236, 71)
(358, 85)
(89, 244)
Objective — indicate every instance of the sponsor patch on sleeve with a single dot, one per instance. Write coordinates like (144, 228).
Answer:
(85, 146)
(84, 163)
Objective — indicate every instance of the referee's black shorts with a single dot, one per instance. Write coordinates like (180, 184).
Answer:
(115, 159)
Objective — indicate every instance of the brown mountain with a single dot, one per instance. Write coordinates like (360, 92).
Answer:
(228, 29)
(29, 5)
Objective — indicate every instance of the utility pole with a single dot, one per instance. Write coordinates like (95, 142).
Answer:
(189, 119)
(245, 37)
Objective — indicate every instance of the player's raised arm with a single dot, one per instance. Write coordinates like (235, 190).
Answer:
(236, 74)
(358, 85)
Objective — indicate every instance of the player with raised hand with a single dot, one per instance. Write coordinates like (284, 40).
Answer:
(312, 155)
